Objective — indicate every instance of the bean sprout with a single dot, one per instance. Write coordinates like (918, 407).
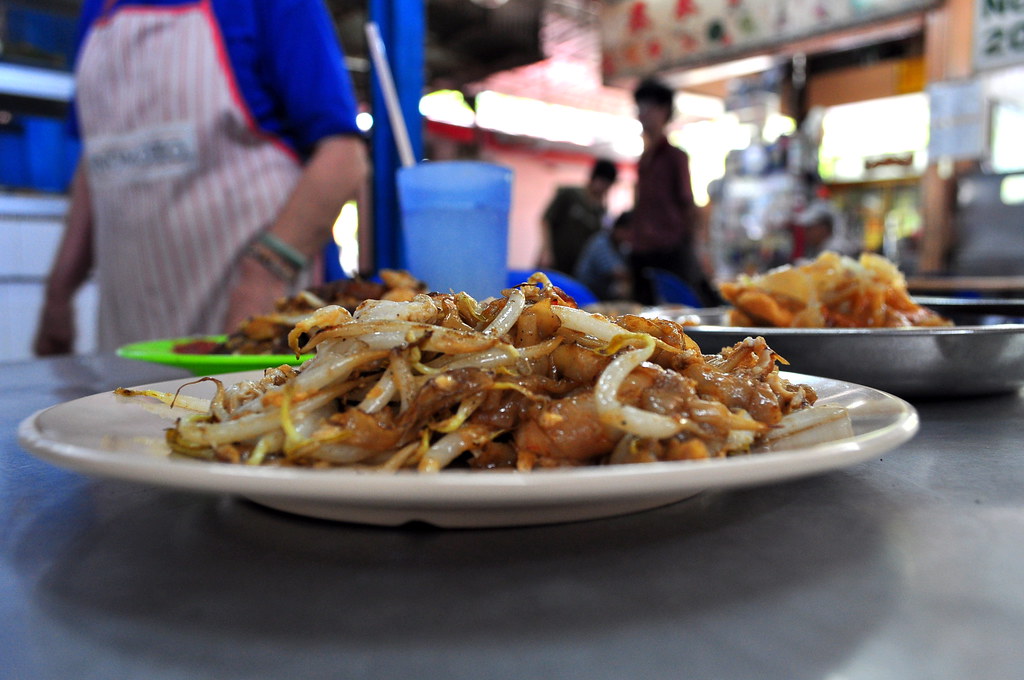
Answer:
(522, 381)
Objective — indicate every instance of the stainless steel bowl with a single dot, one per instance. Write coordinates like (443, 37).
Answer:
(983, 354)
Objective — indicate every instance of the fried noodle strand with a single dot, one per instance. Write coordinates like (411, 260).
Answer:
(522, 381)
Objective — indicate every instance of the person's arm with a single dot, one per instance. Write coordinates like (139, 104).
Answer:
(71, 266)
(686, 187)
(334, 175)
(691, 212)
(697, 219)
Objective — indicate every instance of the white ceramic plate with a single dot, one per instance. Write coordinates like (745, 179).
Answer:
(108, 436)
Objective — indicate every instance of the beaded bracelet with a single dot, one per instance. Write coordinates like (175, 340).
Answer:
(289, 254)
(280, 268)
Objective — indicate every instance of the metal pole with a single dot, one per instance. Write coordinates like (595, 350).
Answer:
(402, 25)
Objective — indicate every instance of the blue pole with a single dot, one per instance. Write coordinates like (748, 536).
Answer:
(402, 26)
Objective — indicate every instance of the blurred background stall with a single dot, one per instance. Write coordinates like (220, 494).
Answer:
(904, 116)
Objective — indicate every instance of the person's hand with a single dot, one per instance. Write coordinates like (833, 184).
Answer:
(254, 294)
(56, 332)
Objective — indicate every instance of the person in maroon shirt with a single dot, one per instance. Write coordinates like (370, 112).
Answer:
(666, 225)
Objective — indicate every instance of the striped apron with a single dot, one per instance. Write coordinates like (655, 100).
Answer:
(180, 177)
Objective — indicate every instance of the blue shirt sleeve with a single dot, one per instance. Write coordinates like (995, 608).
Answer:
(301, 64)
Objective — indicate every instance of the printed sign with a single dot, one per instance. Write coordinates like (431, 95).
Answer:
(159, 152)
(641, 37)
(998, 33)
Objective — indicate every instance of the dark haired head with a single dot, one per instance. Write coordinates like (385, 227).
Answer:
(604, 169)
(655, 92)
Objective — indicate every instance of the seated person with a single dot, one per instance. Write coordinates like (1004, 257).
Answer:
(602, 266)
(573, 216)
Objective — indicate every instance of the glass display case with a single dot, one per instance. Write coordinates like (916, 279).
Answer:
(882, 217)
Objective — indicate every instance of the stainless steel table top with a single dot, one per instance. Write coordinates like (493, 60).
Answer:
(909, 566)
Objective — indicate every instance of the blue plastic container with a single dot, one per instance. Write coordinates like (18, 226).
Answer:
(46, 145)
(12, 157)
(455, 220)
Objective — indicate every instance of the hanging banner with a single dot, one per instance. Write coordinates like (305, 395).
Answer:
(998, 33)
(642, 37)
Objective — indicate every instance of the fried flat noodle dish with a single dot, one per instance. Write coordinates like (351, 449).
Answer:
(268, 333)
(833, 291)
(524, 381)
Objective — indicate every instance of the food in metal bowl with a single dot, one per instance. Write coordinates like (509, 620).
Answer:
(833, 291)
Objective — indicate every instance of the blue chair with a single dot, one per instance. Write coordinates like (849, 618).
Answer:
(579, 292)
(669, 289)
